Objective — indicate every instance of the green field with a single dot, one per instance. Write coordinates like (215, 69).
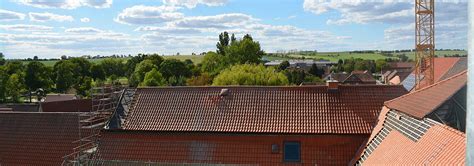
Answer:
(332, 56)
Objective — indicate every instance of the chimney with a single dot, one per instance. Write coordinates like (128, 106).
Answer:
(224, 92)
(333, 85)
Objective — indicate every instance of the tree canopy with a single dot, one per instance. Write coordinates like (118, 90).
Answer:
(250, 74)
(153, 78)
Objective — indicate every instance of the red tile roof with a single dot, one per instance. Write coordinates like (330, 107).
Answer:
(422, 102)
(308, 109)
(78, 105)
(37, 138)
(441, 67)
(222, 148)
(440, 145)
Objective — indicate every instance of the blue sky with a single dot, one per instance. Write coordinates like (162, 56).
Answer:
(51, 28)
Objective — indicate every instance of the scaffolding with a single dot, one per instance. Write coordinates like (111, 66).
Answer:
(425, 42)
(106, 101)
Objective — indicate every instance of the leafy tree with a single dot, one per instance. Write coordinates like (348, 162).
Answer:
(35, 58)
(83, 89)
(381, 64)
(223, 43)
(316, 71)
(250, 74)
(340, 66)
(113, 67)
(283, 65)
(155, 58)
(37, 76)
(132, 63)
(64, 77)
(174, 67)
(2, 59)
(177, 81)
(244, 51)
(13, 67)
(153, 78)
(140, 70)
(315, 79)
(81, 67)
(202, 80)
(295, 76)
(98, 72)
(3, 81)
(213, 63)
(14, 87)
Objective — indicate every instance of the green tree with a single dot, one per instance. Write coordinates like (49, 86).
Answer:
(98, 72)
(223, 43)
(244, 51)
(13, 67)
(316, 71)
(14, 87)
(153, 78)
(381, 64)
(113, 68)
(174, 67)
(81, 67)
(213, 63)
(283, 65)
(2, 59)
(3, 81)
(201, 80)
(140, 70)
(155, 58)
(250, 74)
(37, 76)
(64, 77)
(132, 63)
(295, 76)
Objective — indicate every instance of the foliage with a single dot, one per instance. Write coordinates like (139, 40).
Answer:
(244, 51)
(14, 87)
(177, 81)
(2, 59)
(153, 78)
(155, 58)
(250, 74)
(223, 43)
(63, 75)
(140, 70)
(37, 76)
(113, 67)
(174, 67)
(283, 65)
(98, 72)
(213, 63)
(201, 80)
(132, 63)
(316, 71)
(83, 88)
(381, 64)
(295, 76)
(3, 81)
(13, 67)
(314, 79)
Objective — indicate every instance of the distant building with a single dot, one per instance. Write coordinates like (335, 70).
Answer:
(425, 127)
(354, 78)
(310, 125)
(304, 64)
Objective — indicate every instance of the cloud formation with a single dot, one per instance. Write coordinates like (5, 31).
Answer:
(194, 3)
(141, 14)
(43, 17)
(67, 4)
(85, 19)
(6, 15)
(25, 28)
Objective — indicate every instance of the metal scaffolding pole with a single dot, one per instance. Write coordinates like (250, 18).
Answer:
(470, 91)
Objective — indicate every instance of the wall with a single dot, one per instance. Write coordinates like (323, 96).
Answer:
(470, 91)
(226, 148)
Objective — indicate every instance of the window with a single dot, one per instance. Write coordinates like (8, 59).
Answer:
(292, 152)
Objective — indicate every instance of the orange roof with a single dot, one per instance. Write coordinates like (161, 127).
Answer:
(441, 67)
(440, 145)
(37, 138)
(307, 109)
(422, 102)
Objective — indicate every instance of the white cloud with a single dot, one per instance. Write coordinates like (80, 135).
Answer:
(43, 17)
(6, 15)
(85, 19)
(25, 27)
(83, 30)
(221, 21)
(194, 3)
(67, 4)
(148, 15)
(168, 30)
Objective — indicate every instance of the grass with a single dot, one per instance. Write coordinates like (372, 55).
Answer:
(332, 56)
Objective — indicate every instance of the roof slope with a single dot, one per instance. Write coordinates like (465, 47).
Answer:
(440, 145)
(308, 109)
(37, 138)
(422, 102)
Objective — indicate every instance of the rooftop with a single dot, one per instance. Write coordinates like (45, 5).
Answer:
(307, 109)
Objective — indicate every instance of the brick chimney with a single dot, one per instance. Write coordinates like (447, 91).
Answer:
(333, 85)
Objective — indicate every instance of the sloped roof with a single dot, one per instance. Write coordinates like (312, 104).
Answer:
(440, 145)
(422, 102)
(458, 67)
(59, 97)
(399, 65)
(306, 109)
(37, 138)
(362, 77)
(78, 105)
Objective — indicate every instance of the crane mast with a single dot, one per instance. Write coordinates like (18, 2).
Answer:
(425, 43)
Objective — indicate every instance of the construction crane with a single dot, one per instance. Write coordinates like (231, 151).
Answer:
(425, 43)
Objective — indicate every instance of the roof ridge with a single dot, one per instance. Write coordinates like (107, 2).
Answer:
(427, 87)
